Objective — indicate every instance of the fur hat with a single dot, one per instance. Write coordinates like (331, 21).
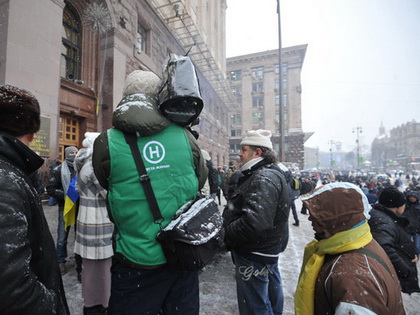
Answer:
(19, 111)
(258, 138)
(140, 81)
(391, 197)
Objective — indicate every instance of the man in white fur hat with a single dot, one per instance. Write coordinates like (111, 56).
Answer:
(256, 226)
(141, 281)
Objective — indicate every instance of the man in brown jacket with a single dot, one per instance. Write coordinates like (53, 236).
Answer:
(344, 271)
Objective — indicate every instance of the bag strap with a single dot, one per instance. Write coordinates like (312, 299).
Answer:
(367, 252)
(144, 178)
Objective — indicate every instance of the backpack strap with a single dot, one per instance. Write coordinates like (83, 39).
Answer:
(144, 178)
(369, 253)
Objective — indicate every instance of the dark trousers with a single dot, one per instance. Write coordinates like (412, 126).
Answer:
(153, 291)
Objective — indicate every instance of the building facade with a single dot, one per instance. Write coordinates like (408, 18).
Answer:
(401, 149)
(255, 81)
(74, 55)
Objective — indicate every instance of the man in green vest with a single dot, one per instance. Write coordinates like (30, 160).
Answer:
(142, 283)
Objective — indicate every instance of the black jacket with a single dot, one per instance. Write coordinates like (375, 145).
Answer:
(412, 213)
(55, 187)
(256, 216)
(388, 230)
(30, 278)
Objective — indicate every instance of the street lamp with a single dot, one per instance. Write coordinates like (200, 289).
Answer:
(281, 119)
(331, 142)
(358, 130)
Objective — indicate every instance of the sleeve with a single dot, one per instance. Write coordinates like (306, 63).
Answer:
(20, 290)
(199, 162)
(385, 234)
(54, 186)
(101, 159)
(257, 210)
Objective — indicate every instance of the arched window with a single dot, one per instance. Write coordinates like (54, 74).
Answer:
(70, 49)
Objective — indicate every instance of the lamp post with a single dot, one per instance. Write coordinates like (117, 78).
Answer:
(358, 130)
(281, 118)
(331, 142)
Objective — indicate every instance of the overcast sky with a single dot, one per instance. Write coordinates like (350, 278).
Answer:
(362, 65)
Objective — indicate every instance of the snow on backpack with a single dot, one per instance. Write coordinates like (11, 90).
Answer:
(295, 184)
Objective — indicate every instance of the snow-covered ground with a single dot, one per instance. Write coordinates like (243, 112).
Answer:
(217, 283)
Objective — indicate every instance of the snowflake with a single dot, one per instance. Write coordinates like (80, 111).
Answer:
(97, 16)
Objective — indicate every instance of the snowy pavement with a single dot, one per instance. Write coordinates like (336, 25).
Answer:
(217, 283)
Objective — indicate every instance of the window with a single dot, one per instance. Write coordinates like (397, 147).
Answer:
(235, 75)
(257, 118)
(235, 132)
(284, 99)
(277, 119)
(276, 69)
(284, 86)
(258, 102)
(277, 99)
(257, 73)
(142, 40)
(276, 85)
(235, 119)
(284, 68)
(70, 49)
(257, 87)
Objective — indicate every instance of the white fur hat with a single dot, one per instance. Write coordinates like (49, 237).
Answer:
(140, 81)
(90, 139)
(258, 138)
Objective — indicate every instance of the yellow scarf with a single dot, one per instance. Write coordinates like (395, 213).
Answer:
(313, 259)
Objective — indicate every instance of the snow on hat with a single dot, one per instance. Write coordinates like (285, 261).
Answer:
(69, 150)
(258, 138)
(140, 81)
(19, 111)
(90, 139)
(391, 197)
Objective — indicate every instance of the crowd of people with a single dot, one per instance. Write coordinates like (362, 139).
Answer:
(367, 232)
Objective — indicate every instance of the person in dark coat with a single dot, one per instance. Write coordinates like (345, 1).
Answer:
(256, 226)
(412, 213)
(58, 184)
(307, 186)
(30, 277)
(387, 226)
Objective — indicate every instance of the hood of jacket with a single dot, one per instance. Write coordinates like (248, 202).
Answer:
(138, 113)
(336, 207)
(412, 193)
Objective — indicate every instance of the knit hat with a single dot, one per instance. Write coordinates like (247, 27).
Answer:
(258, 138)
(69, 150)
(391, 197)
(19, 111)
(140, 81)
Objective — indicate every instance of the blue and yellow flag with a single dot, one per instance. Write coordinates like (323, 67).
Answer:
(70, 204)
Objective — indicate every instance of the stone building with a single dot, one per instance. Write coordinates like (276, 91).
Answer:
(255, 80)
(400, 149)
(74, 55)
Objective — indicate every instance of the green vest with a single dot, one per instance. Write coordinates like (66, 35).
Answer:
(169, 162)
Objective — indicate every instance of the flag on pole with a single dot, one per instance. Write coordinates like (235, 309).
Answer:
(70, 204)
